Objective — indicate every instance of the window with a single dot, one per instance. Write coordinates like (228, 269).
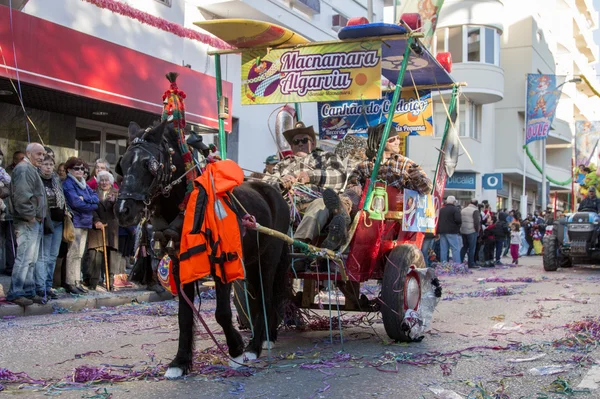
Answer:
(474, 120)
(482, 44)
(469, 123)
(455, 43)
(474, 44)
(490, 46)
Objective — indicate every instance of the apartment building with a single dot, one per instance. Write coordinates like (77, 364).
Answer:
(494, 45)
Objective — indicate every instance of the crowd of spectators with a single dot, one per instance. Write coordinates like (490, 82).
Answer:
(57, 221)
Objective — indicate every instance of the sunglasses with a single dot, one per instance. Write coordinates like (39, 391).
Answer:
(303, 141)
(78, 168)
(393, 139)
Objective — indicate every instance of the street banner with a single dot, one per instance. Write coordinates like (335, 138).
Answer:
(413, 116)
(542, 99)
(587, 135)
(429, 11)
(330, 72)
(419, 212)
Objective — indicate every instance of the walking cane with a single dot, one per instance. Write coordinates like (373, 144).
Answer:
(105, 258)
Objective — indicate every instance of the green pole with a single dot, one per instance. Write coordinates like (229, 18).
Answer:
(222, 134)
(388, 123)
(395, 21)
(451, 108)
(298, 111)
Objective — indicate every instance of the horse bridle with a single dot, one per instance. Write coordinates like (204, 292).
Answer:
(162, 169)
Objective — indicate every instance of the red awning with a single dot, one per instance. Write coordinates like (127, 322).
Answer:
(63, 59)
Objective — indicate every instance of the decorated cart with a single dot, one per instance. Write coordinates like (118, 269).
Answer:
(281, 67)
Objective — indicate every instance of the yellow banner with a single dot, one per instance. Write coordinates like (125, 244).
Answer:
(344, 71)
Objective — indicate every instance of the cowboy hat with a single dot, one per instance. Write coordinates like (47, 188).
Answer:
(299, 129)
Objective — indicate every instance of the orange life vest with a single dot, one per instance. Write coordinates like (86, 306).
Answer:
(211, 238)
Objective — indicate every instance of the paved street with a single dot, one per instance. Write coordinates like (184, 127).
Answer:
(485, 339)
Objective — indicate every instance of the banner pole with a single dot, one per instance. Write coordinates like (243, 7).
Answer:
(573, 199)
(544, 191)
(524, 193)
(222, 134)
(388, 122)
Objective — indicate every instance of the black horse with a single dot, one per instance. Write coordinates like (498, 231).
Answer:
(151, 164)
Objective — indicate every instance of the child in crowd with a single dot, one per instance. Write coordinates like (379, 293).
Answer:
(489, 240)
(515, 241)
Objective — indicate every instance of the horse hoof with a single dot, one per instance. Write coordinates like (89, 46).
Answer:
(239, 361)
(269, 345)
(173, 372)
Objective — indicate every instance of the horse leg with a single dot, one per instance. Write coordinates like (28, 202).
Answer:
(267, 268)
(182, 364)
(223, 315)
(281, 291)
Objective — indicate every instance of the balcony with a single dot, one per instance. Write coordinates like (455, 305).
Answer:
(584, 38)
(485, 82)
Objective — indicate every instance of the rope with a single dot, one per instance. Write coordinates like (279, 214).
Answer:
(539, 168)
(262, 292)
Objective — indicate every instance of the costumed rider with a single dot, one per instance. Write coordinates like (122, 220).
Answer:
(396, 170)
(591, 203)
(317, 170)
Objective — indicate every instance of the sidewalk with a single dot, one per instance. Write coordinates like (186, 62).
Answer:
(73, 303)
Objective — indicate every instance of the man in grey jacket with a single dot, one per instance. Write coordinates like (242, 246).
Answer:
(28, 203)
(471, 224)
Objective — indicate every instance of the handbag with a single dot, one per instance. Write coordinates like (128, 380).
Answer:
(68, 229)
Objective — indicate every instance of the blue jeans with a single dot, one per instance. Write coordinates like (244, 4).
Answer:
(499, 246)
(427, 243)
(46, 261)
(452, 242)
(469, 245)
(29, 235)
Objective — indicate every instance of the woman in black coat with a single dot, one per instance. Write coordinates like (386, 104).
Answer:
(104, 216)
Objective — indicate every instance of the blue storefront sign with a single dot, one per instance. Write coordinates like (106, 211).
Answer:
(492, 181)
(461, 181)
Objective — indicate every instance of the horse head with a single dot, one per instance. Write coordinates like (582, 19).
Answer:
(148, 168)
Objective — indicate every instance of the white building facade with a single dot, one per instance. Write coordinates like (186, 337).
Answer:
(494, 45)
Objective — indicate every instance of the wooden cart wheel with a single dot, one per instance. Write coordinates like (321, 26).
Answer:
(401, 289)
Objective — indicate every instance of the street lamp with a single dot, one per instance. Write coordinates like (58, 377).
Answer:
(544, 193)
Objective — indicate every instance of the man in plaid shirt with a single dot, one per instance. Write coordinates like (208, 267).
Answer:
(317, 170)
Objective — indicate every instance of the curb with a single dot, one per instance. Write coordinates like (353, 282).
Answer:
(75, 304)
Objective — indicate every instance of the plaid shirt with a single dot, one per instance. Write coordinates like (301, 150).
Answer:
(397, 171)
(325, 170)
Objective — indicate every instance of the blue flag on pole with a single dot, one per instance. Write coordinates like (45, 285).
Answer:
(542, 99)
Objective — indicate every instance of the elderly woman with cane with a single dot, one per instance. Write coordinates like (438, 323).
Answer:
(103, 238)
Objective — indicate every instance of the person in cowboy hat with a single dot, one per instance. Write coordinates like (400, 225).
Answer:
(396, 170)
(317, 170)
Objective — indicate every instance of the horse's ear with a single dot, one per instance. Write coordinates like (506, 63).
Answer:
(134, 130)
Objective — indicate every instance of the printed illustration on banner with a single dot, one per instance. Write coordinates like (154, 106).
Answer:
(342, 71)
(413, 116)
(542, 99)
(419, 212)
(587, 137)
